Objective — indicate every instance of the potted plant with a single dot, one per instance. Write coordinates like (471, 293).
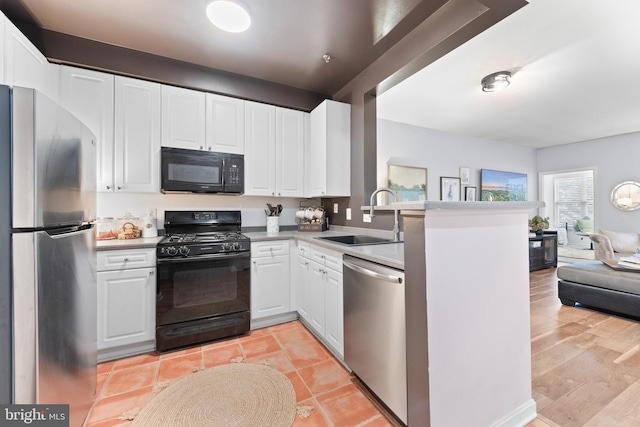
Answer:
(538, 224)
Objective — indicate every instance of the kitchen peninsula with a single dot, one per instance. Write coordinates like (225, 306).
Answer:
(467, 311)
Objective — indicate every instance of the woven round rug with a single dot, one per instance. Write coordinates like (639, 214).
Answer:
(238, 395)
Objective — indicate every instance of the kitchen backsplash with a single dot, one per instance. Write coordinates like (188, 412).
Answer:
(252, 207)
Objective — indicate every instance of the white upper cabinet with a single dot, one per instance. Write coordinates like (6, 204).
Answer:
(89, 96)
(289, 167)
(183, 118)
(24, 65)
(274, 151)
(137, 135)
(2, 61)
(225, 124)
(328, 151)
(260, 149)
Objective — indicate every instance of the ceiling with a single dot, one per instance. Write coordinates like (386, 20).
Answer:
(285, 43)
(576, 68)
(575, 63)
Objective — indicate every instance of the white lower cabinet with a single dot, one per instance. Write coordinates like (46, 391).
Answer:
(320, 301)
(270, 279)
(126, 302)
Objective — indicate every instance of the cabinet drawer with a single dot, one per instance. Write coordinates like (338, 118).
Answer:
(327, 258)
(269, 248)
(126, 258)
(303, 249)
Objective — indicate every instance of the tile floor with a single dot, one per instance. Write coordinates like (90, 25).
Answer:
(318, 378)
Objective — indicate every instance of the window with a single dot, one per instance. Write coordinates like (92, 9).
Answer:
(573, 197)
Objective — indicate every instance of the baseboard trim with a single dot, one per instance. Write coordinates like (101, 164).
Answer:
(520, 417)
(276, 319)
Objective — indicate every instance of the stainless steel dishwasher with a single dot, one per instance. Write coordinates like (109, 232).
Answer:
(374, 330)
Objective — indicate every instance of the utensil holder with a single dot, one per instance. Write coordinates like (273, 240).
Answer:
(273, 224)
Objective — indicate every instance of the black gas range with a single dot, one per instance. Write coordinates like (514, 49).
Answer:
(196, 233)
(204, 278)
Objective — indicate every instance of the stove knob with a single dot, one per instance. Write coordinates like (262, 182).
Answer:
(172, 251)
(236, 246)
(184, 250)
(225, 247)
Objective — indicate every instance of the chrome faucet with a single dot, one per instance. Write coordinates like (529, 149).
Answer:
(396, 227)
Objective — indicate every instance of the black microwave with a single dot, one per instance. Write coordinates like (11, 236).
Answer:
(193, 171)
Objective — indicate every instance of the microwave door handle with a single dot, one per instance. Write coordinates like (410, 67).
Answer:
(222, 173)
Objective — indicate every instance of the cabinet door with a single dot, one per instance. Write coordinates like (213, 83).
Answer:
(183, 118)
(260, 153)
(2, 55)
(270, 287)
(304, 288)
(317, 298)
(334, 325)
(126, 307)
(315, 178)
(25, 65)
(225, 124)
(89, 96)
(137, 135)
(289, 152)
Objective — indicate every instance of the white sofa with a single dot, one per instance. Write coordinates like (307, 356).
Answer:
(614, 244)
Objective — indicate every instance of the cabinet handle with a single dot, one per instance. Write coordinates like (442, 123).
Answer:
(278, 193)
(119, 188)
(201, 147)
(151, 273)
(108, 187)
(306, 264)
(126, 259)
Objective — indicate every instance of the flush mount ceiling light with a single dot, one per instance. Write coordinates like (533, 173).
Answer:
(496, 81)
(228, 16)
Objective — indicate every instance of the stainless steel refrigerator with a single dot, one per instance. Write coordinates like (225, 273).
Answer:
(48, 343)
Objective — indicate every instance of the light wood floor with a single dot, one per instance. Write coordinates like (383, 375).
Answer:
(585, 363)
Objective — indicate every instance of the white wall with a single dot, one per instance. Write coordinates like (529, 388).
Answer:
(444, 153)
(252, 208)
(615, 159)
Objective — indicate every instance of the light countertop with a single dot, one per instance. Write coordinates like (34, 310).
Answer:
(389, 254)
(430, 205)
(143, 242)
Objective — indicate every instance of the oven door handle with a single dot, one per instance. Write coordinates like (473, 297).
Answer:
(225, 255)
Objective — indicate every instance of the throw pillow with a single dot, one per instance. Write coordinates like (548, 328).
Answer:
(585, 225)
(622, 242)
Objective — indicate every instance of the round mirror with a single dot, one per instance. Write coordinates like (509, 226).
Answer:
(626, 196)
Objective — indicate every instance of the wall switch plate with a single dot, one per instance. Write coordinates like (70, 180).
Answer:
(366, 217)
(348, 214)
(335, 208)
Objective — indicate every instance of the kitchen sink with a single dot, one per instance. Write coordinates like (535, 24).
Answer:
(357, 240)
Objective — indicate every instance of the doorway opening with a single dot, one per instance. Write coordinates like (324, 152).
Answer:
(570, 206)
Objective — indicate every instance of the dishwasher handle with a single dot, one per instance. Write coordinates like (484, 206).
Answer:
(371, 273)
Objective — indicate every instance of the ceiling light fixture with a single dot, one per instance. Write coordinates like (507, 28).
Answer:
(326, 58)
(496, 81)
(228, 16)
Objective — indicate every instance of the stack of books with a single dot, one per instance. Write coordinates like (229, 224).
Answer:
(630, 262)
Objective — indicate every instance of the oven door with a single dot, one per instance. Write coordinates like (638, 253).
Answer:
(191, 171)
(202, 299)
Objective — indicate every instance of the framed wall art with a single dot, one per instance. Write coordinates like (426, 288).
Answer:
(470, 194)
(449, 189)
(409, 183)
(464, 175)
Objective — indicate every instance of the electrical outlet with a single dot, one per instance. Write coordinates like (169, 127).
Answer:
(366, 217)
(335, 208)
(348, 214)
